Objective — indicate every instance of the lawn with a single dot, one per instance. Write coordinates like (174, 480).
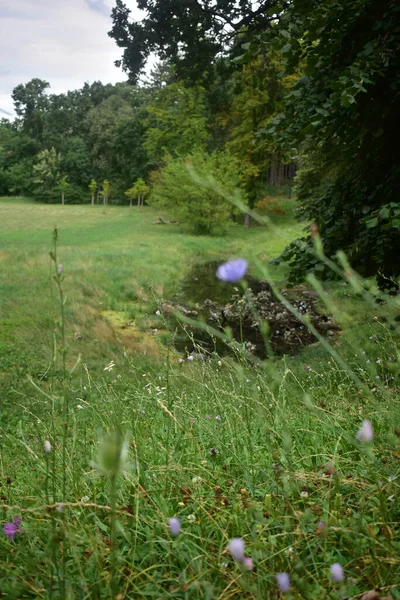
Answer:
(298, 457)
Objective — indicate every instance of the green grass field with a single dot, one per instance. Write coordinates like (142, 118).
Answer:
(266, 453)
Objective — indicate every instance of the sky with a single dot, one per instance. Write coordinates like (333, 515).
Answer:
(64, 42)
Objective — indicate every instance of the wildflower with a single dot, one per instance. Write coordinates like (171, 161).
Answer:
(213, 451)
(196, 480)
(208, 416)
(158, 313)
(236, 549)
(181, 361)
(337, 572)
(190, 357)
(248, 563)
(219, 363)
(11, 529)
(59, 269)
(174, 526)
(321, 527)
(247, 380)
(110, 366)
(79, 406)
(304, 494)
(218, 418)
(85, 499)
(60, 507)
(191, 518)
(232, 271)
(366, 432)
(308, 368)
(283, 581)
(47, 446)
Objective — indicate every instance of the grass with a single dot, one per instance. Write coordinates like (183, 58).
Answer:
(266, 453)
(112, 258)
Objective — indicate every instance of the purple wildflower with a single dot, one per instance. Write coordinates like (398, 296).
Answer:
(337, 572)
(232, 271)
(208, 416)
(308, 368)
(174, 526)
(190, 357)
(283, 581)
(366, 432)
(236, 549)
(248, 563)
(11, 529)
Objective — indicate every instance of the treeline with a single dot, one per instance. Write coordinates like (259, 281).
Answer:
(119, 136)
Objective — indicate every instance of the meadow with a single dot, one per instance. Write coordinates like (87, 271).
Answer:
(107, 432)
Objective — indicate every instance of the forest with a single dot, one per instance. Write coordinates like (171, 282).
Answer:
(250, 94)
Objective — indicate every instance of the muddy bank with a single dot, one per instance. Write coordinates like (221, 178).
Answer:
(203, 297)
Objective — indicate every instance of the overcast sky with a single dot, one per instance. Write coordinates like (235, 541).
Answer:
(64, 42)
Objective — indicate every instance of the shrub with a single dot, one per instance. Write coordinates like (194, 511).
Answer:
(199, 206)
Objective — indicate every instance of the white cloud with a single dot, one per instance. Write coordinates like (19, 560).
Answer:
(64, 42)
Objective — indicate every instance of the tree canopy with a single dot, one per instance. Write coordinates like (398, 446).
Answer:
(188, 33)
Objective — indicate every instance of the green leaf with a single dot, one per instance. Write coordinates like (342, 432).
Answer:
(372, 223)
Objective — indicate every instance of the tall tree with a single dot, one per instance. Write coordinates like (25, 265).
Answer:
(30, 102)
(188, 33)
(177, 122)
(341, 116)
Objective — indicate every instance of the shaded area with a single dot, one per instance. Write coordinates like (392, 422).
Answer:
(244, 311)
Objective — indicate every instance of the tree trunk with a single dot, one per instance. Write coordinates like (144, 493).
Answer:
(247, 220)
(273, 175)
(98, 197)
(130, 202)
(92, 199)
(104, 199)
(62, 197)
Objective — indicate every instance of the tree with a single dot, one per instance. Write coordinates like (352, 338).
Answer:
(92, 190)
(106, 191)
(177, 123)
(138, 192)
(193, 200)
(47, 172)
(30, 102)
(258, 98)
(340, 115)
(63, 185)
(189, 34)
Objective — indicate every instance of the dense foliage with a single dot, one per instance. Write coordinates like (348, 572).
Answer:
(340, 115)
(199, 206)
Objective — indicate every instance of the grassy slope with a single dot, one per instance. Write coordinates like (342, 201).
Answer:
(111, 258)
(265, 480)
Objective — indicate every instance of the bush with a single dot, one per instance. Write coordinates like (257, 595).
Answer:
(199, 206)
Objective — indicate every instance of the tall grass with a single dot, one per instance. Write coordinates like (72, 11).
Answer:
(262, 451)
